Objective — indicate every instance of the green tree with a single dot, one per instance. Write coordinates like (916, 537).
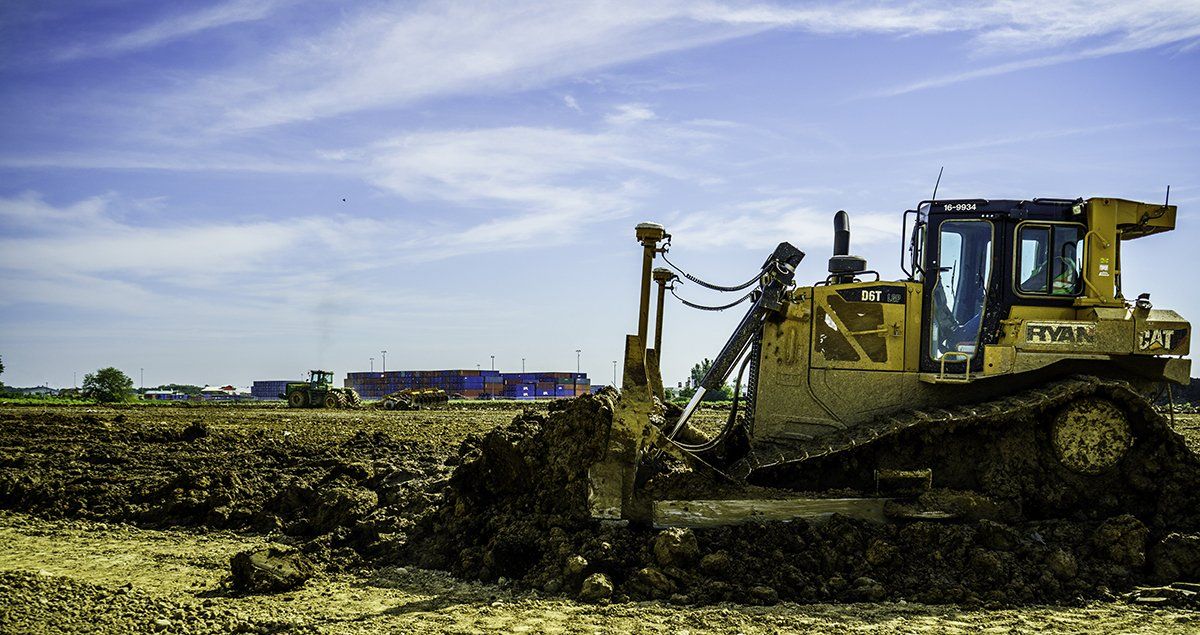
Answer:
(724, 393)
(187, 389)
(107, 385)
(1, 370)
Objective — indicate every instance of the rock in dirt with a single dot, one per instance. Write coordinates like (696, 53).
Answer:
(1122, 540)
(763, 594)
(652, 583)
(1062, 564)
(1176, 558)
(596, 588)
(575, 566)
(676, 547)
(715, 563)
(269, 570)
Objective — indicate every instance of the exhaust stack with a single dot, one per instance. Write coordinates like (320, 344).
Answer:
(843, 266)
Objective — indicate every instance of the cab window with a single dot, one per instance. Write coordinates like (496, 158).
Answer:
(963, 271)
(1049, 260)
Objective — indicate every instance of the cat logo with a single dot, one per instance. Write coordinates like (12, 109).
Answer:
(1060, 333)
(1160, 339)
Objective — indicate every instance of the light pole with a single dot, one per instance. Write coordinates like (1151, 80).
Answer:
(142, 379)
(575, 377)
(493, 362)
(372, 364)
(384, 353)
(614, 373)
(522, 365)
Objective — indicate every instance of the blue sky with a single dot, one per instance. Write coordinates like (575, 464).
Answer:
(227, 191)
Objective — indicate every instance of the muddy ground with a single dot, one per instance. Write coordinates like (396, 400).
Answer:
(126, 519)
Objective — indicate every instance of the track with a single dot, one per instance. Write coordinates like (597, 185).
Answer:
(1001, 449)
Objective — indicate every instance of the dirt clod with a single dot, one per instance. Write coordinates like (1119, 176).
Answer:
(596, 588)
(269, 570)
(676, 547)
(1176, 558)
(1122, 540)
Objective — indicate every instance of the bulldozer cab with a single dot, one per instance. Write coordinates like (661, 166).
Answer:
(320, 378)
(982, 262)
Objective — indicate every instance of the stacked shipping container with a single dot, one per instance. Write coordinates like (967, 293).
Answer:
(270, 388)
(545, 385)
(471, 384)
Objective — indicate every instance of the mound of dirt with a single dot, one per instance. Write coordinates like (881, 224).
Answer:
(516, 508)
(60, 464)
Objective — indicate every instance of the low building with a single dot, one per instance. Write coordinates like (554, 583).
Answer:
(36, 391)
(164, 395)
(222, 393)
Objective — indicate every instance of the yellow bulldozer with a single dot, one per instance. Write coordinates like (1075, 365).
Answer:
(1007, 369)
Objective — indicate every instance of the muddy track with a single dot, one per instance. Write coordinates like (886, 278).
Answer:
(1003, 450)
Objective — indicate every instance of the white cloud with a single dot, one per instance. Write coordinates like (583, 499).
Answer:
(260, 277)
(629, 114)
(764, 223)
(390, 57)
(572, 103)
(536, 183)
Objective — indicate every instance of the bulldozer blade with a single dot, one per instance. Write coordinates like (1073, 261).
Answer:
(611, 493)
(611, 479)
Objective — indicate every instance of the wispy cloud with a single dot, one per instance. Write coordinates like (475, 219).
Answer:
(761, 224)
(400, 54)
(174, 28)
(1080, 30)
(531, 183)
(630, 113)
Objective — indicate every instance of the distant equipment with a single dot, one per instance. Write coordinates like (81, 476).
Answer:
(414, 399)
(318, 392)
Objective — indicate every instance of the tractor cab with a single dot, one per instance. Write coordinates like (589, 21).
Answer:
(320, 378)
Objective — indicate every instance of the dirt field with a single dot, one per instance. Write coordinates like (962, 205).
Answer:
(124, 520)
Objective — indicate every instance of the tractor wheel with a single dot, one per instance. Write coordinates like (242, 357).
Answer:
(1091, 435)
(331, 400)
(354, 399)
(297, 399)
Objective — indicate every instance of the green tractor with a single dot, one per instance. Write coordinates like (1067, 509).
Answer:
(319, 392)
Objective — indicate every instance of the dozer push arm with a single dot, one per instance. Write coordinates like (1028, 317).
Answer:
(779, 270)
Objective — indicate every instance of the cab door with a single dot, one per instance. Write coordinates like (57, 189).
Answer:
(958, 276)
